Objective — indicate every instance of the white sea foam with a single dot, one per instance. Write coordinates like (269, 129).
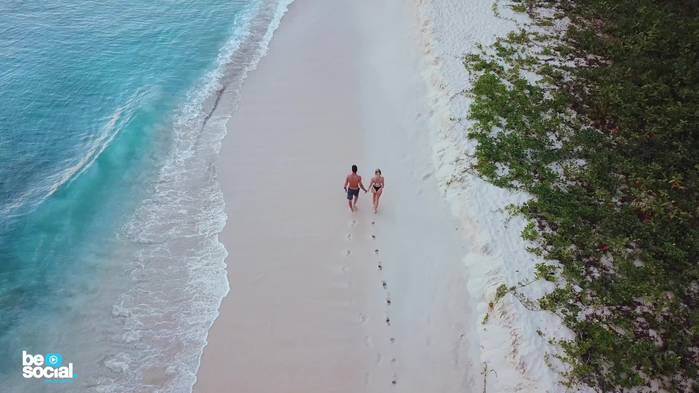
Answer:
(175, 261)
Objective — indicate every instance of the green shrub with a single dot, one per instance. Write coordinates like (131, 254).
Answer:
(607, 144)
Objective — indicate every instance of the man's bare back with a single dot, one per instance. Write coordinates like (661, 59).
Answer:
(353, 181)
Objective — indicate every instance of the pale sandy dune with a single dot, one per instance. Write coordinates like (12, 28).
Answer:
(308, 308)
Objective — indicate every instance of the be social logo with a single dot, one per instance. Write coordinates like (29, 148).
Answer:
(49, 367)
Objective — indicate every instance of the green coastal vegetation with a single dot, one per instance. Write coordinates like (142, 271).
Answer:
(593, 109)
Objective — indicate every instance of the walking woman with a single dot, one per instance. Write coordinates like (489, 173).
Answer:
(376, 187)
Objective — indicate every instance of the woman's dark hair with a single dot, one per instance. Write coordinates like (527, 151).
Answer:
(377, 171)
(354, 168)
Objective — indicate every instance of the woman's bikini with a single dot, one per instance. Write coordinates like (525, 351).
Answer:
(377, 187)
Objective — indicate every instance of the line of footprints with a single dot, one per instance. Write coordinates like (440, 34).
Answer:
(384, 284)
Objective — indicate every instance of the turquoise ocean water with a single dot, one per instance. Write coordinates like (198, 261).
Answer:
(110, 208)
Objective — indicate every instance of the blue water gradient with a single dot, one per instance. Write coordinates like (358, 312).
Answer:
(91, 94)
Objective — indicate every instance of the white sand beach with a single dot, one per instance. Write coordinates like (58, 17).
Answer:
(324, 300)
(307, 310)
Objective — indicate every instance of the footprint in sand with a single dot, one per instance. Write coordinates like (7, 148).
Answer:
(376, 251)
(362, 318)
(384, 285)
(373, 222)
(349, 236)
(380, 267)
(394, 382)
(373, 236)
(393, 340)
(388, 302)
(348, 253)
(388, 321)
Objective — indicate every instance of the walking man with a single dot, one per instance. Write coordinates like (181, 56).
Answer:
(353, 182)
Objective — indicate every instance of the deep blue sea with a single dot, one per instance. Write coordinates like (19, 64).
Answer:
(109, 205)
